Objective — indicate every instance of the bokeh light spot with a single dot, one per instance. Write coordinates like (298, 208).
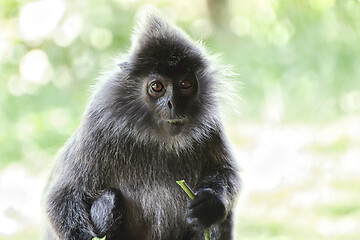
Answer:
(59, 118)
(69, 30)
(350, 102)
(240, 25)
(35, 67)
(322, 5)
(101, 38)
(39, 18)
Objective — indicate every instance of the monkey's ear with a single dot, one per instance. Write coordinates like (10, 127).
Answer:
(124, 66)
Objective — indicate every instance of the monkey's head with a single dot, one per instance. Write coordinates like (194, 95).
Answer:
(166, 89)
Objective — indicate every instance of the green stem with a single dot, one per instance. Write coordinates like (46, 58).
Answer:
(191, 194)
(186, 188)
(95, 238)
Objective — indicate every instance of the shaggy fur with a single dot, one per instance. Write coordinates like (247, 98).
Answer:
(116, 176)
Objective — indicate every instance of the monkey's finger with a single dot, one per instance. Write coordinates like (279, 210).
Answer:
(208, 212)
(195, 223)
(201, 196)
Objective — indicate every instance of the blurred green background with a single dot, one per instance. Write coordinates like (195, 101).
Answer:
(298, 136)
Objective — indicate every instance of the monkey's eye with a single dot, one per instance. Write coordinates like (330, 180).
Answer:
(186, 84)
(157, 87)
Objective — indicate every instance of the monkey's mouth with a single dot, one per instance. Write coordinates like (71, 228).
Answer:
(173, 126)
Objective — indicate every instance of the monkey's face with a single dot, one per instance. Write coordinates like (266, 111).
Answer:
(171, 101)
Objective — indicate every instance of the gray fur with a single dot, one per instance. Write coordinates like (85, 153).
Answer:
(121, 167)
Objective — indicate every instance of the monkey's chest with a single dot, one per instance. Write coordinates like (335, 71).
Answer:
(155, 204)
(155, 211)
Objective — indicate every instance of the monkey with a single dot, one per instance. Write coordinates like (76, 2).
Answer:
(151, 122)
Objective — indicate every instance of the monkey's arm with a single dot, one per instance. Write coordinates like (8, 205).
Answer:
(67, 211)
(214, 198)
(217, 188)
(74, 216)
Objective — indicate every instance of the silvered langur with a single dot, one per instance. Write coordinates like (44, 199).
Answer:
(153, 121)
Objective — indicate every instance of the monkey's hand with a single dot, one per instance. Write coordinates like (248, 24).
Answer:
(107, 211)
(206, 208)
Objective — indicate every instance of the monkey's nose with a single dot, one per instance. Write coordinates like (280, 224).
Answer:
(170, 105)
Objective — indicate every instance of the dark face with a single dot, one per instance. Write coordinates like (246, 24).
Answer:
(171, 100)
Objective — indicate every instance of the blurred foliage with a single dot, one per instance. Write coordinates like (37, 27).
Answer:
(297, 61)
(40, 114)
